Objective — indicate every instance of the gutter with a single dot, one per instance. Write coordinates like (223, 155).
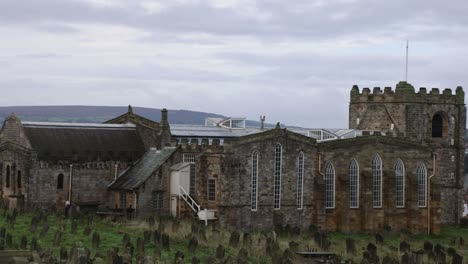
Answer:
(429, 193)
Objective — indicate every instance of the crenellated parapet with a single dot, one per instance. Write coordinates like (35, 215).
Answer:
(405, 92)
(95, 165)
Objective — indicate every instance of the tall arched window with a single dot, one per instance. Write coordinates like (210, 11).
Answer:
(254, 184)
(300, 179)
(7, 180)
(353, 184)
(329, 185)
(400, 183)
(60, 182)
(377, 181)
(439, 125)
(422, 190)
(19, 184)
(277, 177)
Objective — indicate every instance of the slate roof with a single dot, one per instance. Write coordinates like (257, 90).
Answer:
(142, 169)
(84, 141)
(202, 131)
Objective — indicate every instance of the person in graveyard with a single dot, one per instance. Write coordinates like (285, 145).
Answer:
(67, 207)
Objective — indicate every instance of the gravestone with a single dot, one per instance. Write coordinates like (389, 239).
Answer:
(457, 259)
(428, 246)
(192, 245)
(44, 230)
(34, 245)
(96, 240)
(9, 240)
(405, 247)
(157, 237)
(247, 240)
(379, 239)
(140, 247)
(220, 252)
(234, 239)
(57, 238)
(146, 237)
(350, 246)
(87, 230)
(165, 241)
(74, 226)
(195, 260)
(24, 242)
(179, 257)
(293, 246)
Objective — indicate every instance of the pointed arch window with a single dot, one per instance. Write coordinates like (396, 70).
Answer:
(7, 180)
(353, 184)
(300, 179)
(329, 185)
(19, 183)
(377, 181)
(422, 190)
(277, 177)
(400, 183)
(254, 183)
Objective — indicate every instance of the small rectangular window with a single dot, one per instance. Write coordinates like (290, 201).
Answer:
(189, 157)
(158, 200)
(211, 189)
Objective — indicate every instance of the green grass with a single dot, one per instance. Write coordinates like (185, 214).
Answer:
(111, 234)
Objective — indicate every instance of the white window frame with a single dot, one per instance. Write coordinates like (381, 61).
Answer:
(330, 175)
(377, 192)
(353, 172)
(254, 181)
(421, 173)
(208, 189)
(300, 180)
(400, 166)
(277, 177)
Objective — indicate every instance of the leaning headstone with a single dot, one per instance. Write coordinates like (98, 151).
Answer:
(220, 252)
(193, 243)
(96, 240)
(140, 248)
(24, 243)
(350, 246)
(234, 239)
(379, 239)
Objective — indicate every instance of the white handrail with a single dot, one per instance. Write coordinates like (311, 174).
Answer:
(187, 198)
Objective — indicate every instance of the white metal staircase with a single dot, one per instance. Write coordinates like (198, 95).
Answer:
(204, 214)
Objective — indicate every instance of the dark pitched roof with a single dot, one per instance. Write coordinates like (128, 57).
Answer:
(83, 141)
(142, 169)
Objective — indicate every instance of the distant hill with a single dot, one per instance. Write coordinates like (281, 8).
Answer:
(99, 114)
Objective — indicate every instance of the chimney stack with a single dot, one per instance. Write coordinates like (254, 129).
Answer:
(165, 129)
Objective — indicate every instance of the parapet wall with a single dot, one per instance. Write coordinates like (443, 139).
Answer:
(405, 92)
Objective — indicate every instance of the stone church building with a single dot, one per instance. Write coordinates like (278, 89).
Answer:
(398, 165)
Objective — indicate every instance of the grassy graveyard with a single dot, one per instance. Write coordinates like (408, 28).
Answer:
(166, 240)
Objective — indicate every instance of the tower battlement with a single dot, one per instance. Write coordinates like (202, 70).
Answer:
(405, 92)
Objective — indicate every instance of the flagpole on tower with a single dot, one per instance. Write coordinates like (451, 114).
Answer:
(406, 69)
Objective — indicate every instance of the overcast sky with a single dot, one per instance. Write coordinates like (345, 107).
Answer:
(294, 61)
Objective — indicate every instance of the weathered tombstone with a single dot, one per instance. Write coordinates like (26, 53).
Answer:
(220, 252)
(24, 243)
(234, 239)
(405, 258)
(57, 238)
(2, 232)
(63, 253)
(404, 246)
(165, 241)
(461, 241)
(34, 246)
(9, 240)
(14, 213)
(247, 240)
(126, 240)
(350, 246)
(457, 259)
(151, 222)
(157, 237)
(389, 260)
(148, 260)
(287, 256)
(147, 237)
(418, 257)
(34, 223)
(192, 245)
(372, 249)
(428, 246)
(195, 260)
(127, 258)
(79, 256)
(379, 239)
(96, 240)
(140, 248)
(451, 251)
(293, 246)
